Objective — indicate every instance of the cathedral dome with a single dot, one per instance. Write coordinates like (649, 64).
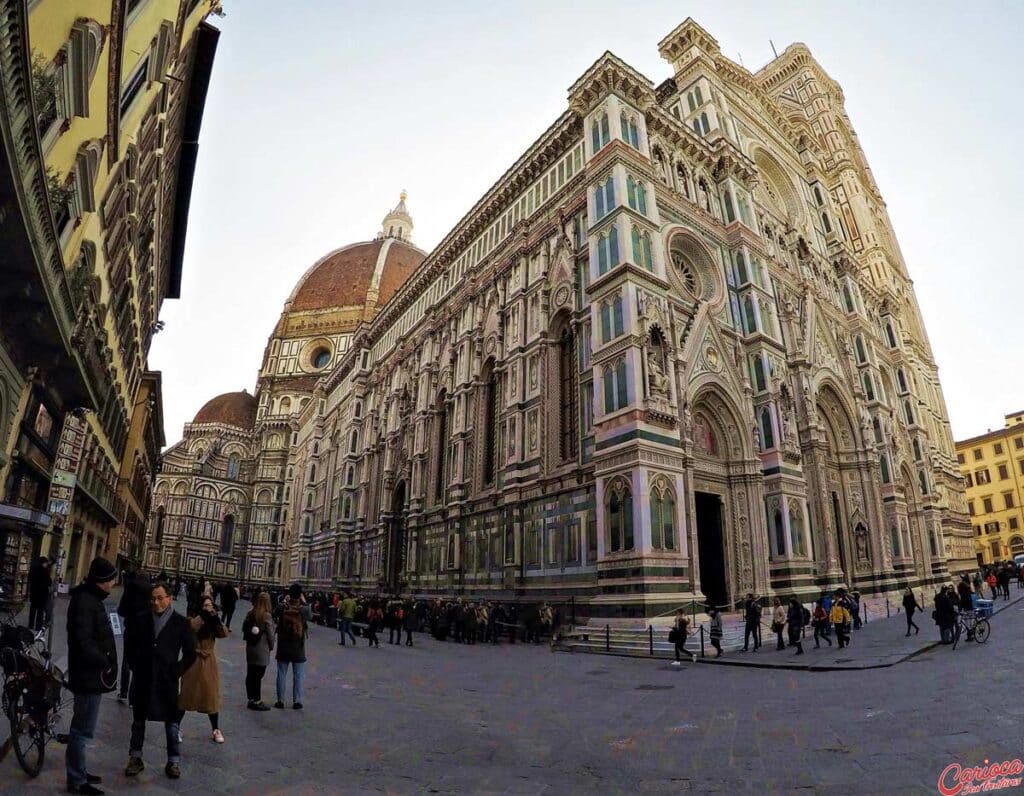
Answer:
(349, 276)
(230, 409)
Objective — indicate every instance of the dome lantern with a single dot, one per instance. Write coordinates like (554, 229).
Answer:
(397, 223)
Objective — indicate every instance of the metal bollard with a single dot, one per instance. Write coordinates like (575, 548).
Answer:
(702, 641)
(650, 637)
(607, 638)
(886, 607)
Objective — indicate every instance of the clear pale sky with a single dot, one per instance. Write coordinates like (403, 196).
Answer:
(321, 111)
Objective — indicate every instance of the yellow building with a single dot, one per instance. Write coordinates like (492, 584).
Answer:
(993, 468)
(102, 102)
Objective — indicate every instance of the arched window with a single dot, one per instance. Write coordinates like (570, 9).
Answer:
(227, 534)
(350, 475)
(901, 379)
(894, 541)
(568, 398)
(441, 450)
(307, 526)
(760, 383)
(615, 388)
(158, 533)
(611, 319)
(883, 464)
(1016, 545)
(620, 518)
(779, 527)
(858, 343)
(826, 223)
(767, 431)
(917, 450)
(890, 336)
(600, 132)
(796, 528)
(309, 500)
(817, 196)
(630, 134)
(922, 481)
(730, 207)
(636, 195)
(286, 405)
(346, 511)
(848, 298)
(608, 250)
(604, 197)
(876, 424)
(742, 275)
(908, 412)
(312, 473)
(869, 386)
(233, 465)
(663, 512)
(359, 409)
(642, 248)
(749, 316)
(490, 423)
(353, 441)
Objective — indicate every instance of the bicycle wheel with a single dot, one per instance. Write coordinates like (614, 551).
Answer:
(28, 732)
(982, 630)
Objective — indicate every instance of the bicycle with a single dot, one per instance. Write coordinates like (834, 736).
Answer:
(976, 629)
(31, 694)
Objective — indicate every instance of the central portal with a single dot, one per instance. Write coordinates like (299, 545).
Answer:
(711, 548)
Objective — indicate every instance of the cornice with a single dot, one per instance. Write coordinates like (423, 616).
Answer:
(609, 74)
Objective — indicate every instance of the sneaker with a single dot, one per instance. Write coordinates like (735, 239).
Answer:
(172, 771)
(677, 663)
(261, 705)
(135, 767)
(92, 779)
(297, 706)
(279, 704)
(218, 736)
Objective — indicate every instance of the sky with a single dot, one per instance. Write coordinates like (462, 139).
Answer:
(318, 117)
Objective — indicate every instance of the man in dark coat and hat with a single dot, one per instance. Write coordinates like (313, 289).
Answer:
(162, 649)
(40, 581)
(92, 668)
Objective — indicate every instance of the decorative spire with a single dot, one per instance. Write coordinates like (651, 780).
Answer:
(398, 223)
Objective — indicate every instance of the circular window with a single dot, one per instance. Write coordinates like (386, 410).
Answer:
(321, 357)
(691, 270)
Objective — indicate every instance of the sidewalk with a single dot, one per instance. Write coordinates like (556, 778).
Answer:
(878, 644)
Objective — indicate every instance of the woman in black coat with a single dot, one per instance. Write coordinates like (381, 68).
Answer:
(910, 605)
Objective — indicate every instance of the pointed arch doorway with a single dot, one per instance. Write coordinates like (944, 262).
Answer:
(396, 539)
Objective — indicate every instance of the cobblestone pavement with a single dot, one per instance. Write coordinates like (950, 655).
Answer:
(443, 718)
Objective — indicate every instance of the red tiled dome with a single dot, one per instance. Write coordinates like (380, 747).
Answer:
(231, 409)
(344, 277)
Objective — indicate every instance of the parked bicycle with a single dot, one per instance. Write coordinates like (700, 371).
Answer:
(32, 692)
(972, 627)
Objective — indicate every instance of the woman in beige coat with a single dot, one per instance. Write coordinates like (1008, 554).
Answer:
(200, 685)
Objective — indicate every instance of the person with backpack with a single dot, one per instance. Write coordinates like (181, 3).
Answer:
(293, 616)
(716, 630)
(258, 634)
(797, 617)
(820, 622)
(678, 635)
(841, 618)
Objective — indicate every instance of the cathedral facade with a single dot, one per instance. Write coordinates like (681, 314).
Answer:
(673, 353)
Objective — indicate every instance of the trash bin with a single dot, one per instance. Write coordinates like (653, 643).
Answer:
(984, 609)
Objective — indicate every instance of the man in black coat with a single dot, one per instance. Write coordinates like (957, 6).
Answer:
(163, 648)
(92, 668)
(228, 601)
(134, 603)
(40, 582)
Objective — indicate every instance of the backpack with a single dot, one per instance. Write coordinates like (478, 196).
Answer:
(292, 626)
(806, 615)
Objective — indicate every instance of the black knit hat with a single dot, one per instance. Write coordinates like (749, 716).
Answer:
(295, 591)
(101, 570)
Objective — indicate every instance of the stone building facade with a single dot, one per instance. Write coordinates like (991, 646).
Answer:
(101, 103)
(673, 353)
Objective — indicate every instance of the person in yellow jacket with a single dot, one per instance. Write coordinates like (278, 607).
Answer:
(840, 617)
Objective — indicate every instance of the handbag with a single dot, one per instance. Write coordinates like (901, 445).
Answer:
(673, 635)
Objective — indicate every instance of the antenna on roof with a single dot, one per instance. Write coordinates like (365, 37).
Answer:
(773, 48)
